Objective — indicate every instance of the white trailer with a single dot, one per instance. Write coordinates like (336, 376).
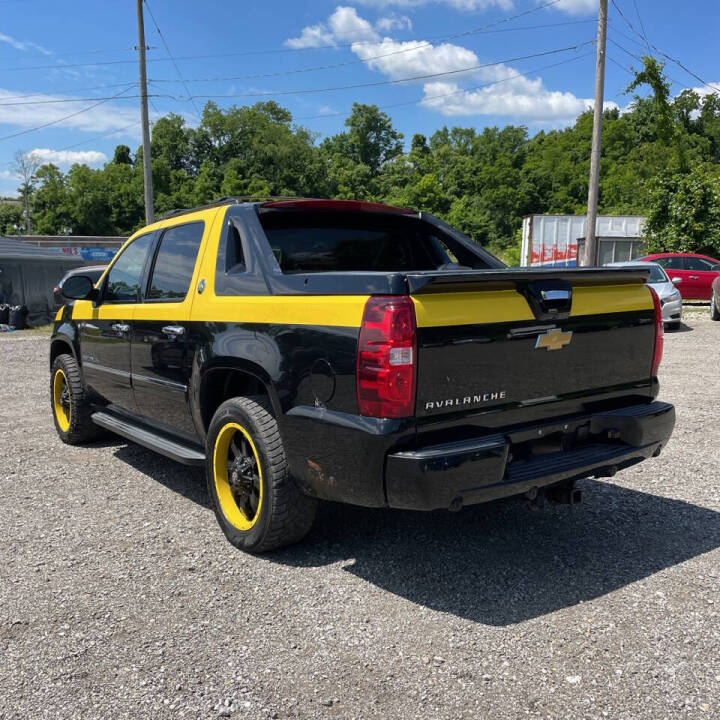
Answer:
(553, 239)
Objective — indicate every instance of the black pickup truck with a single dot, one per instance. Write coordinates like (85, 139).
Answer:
(306, 350)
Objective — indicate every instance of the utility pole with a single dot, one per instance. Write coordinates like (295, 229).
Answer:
(590, 255)
(147, 167)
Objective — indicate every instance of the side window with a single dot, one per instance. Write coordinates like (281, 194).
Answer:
(671, 263)
(123, 282)
(175, 262)
(692, 263)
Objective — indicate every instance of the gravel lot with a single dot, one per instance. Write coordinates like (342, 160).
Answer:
(119, 597)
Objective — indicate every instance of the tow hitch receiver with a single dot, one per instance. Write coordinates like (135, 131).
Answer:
(566, 494)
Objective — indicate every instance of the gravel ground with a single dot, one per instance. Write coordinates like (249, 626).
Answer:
(119, 597)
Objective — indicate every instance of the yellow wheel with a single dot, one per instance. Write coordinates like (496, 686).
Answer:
(61, 400)
(238, 476)
(71, 406)
(258, 505)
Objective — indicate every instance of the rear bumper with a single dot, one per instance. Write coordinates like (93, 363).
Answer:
(487, 467)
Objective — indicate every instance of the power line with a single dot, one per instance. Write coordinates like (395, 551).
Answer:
(378, 83)
(62, 101)
(664, 54)
(167, 49)
(98, 137)
(626, 51)
(639, 59)
(66, 117)
(49, 92)
(642, 27)
(305, 91)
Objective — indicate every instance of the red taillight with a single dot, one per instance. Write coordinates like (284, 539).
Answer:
(387, 358)
(659, 334)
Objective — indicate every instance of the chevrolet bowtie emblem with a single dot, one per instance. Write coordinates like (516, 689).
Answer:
(555, 339)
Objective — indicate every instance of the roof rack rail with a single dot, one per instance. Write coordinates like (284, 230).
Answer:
(229, 200)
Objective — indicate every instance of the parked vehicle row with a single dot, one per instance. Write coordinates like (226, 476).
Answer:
(694, 274)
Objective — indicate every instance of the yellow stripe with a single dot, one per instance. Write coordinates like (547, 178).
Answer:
(495, 306)
(58, 314)
(611, 299)
(84, 310)
(327, 310)
(470, 308)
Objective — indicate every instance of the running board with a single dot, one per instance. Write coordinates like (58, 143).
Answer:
(149, 439)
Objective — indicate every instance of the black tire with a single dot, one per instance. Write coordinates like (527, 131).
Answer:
(714, 309)
(256, 502)
(72, 410)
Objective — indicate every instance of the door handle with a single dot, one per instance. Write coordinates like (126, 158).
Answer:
(120, 328)
(694, 277)
(174, 330)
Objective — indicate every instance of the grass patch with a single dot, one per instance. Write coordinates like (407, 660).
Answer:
(45, 330)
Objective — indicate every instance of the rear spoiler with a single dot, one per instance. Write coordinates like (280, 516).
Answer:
(429, 281)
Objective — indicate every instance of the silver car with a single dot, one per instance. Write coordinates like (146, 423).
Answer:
(669, 295)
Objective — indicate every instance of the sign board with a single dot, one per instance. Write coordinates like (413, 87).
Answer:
(91, 253)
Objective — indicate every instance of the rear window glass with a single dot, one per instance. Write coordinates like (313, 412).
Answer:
(345, 242)
(657, 275)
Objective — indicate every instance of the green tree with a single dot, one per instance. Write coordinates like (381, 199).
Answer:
(684, 212)
(11, 217)
(51, 206)
(122, 155)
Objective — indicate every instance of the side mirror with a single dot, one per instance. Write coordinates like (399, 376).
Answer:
(78, 287)
(676, 280)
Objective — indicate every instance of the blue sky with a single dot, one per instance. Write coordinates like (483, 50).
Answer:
(59, 59)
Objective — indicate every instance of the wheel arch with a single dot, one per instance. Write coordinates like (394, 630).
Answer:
(62, 343)
(226, 378)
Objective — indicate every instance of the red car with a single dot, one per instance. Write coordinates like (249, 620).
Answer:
(692, 273)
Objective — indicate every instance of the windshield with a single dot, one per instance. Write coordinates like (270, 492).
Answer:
(657, 275)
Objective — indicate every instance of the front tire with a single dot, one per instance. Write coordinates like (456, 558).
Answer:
(714, 310)
(70, 402)
(256, 502)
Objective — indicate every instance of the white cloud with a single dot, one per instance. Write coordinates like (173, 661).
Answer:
(344, 26)
(574, 7)
(399, 59)
(24, 46)
(312, 36)
(393, 22)
(526, 99)
(347, 25)
(104, 118)
(69, 157)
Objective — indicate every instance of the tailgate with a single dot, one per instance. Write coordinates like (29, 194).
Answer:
(524, 337)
